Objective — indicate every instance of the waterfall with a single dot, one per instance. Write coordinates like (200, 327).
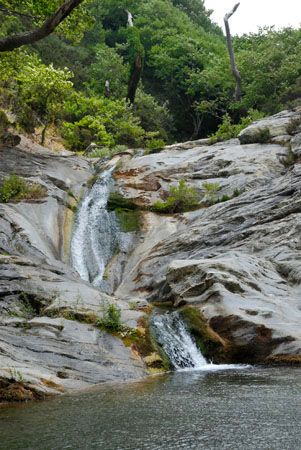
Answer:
(97, 237)
(171, 333)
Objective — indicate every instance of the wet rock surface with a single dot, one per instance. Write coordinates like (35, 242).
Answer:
(41, 351)
(238, 261)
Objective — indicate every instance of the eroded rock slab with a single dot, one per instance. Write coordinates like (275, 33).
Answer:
(40, 349)
(239, 261)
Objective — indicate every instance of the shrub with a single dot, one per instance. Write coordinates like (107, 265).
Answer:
(129, 220)
(211, 190)
(111, 318)
(154, 144)
(14, 187)
(4, 123)
(181, 198)
(227, 130)
(99, 152)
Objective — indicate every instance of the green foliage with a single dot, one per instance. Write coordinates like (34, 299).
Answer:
(4, 123)
(181, 198)
(111, 318)
(211, 190)
(294, 126)
(129, 220)
(153, 144)
(15, 188)
(100, 152)
(72, 27)
(39, 91)
(101, 120)
(154, 117)
(227, 130)
(16, 375)
(187, 81)
(118, 201)
(108, 65)
(12, 187)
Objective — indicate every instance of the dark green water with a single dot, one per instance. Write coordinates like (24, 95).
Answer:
(254, 408)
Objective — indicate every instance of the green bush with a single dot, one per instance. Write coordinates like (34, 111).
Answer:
(111, 318)
(14, 187)
(181, 198)
(4, 123)
(99, 152)
(106, 122)
(227, 130)
(211, 190)
(154, 144)
(129, 220)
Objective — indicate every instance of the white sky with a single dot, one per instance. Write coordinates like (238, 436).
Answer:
(252, 14)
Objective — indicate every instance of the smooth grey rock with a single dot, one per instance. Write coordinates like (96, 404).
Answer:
(296, 145)
(36, 282)
(258, 230)
(276, 124)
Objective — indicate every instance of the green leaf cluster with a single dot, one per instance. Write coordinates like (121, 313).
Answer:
(228, 130)
(15, 188)
(111, 318)
(181, 198)
(12, 187)
(104, 121)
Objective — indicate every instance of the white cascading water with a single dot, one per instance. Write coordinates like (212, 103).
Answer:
(171, 333)
(96, 237)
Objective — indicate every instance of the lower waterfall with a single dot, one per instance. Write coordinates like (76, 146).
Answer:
(172, 335)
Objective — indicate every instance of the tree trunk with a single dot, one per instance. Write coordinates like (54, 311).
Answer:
(134, 80)
(44, 132)
(11, 42)
(234, 69)
(136, 71)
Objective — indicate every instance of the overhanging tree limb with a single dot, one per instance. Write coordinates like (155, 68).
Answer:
(9, 43)
(234, 69)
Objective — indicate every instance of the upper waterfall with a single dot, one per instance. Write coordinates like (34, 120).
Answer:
(97, 236)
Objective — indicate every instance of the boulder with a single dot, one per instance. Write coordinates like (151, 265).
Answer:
(269, 128)
(296, 145)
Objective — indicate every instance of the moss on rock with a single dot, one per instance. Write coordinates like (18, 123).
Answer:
(147, 348)
(207, 341)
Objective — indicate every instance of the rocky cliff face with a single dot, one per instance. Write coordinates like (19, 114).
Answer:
(237, 262)
(40, 293)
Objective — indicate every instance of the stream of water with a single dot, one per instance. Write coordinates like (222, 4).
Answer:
(251, 409)
(97, 236)
(198, 406)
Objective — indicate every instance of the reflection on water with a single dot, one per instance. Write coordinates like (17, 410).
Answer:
(255, 408)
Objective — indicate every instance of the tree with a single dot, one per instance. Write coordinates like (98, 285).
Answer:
(45, 27)
(234, 69)
(136, 54)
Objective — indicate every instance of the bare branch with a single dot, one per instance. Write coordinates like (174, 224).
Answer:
(11, 42)
(235, 71)
(130, 18)
(227, 16)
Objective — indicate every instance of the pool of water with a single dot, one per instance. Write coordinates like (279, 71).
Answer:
(253, 408)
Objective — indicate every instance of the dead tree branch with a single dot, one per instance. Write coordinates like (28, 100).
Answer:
(234, 69)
